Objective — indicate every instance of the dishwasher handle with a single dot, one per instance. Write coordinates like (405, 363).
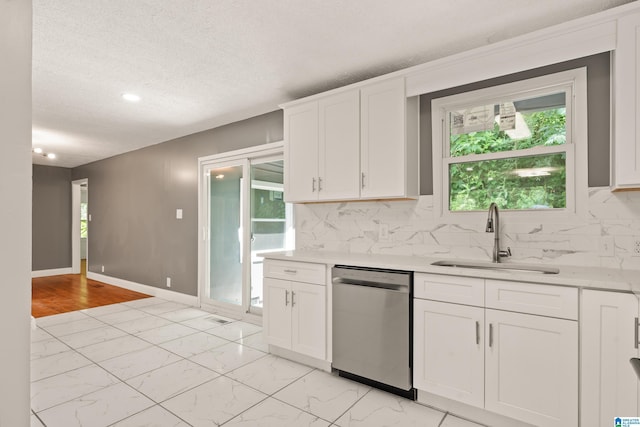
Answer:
(385, 286)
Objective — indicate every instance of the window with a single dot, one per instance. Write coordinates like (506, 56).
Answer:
(516, 144)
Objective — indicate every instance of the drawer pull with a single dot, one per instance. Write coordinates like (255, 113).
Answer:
(477, 332)
(286, 298)
(490, 335)
(288, 271)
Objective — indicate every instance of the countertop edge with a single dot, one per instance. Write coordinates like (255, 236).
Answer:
(574, 276)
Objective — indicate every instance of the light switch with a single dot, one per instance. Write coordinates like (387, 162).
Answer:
(178, 213)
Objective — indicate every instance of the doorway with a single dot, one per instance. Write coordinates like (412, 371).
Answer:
(79, 225)
(242, 213)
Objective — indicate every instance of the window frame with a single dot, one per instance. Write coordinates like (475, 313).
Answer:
(574, 84)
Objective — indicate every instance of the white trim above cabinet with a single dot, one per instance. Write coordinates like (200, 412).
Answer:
(360, 143)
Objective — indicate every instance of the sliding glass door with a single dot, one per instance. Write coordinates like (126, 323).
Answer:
(271, 219)
(225, 233)
(242, 213)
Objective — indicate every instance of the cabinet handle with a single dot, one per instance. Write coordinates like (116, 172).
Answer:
(635, 328)
(477, 332)
(293, 294)
(286, 298)
(490, 335)
(289, 271)
(362, 179)
(313, 185)
(319, 183)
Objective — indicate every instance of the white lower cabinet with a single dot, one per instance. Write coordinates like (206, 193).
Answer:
(520, 365)
(294, 314)
(449, 339)
(531, 368)
(608, 340)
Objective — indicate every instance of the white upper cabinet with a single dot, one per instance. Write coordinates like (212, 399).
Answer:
(389, 144)
(360, 143)
(625, 162)
(301, 158)
(339, 151)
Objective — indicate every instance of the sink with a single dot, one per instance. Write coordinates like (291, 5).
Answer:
(498, 266)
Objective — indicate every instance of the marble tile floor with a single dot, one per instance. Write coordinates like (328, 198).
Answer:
(152, 362)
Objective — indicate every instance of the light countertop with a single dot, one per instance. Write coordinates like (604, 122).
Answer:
(582, 277)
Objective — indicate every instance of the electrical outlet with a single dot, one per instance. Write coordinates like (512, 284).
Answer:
(635, 250)
(103, 268)
(383, 232)
(168, 282)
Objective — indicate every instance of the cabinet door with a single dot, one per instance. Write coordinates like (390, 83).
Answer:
(626, 145)
(383, 148)
(448, 347)
(532, 368)
(301, 153)
(609, 384)
(276, 315)
(308, 314)
(339, 147)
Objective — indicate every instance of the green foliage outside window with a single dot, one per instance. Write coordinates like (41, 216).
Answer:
(529, 182)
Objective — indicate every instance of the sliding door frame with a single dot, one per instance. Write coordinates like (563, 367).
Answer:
(205, 163)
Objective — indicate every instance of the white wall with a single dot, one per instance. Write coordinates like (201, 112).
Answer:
(15, 215)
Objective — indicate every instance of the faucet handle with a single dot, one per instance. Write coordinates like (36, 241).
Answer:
(504, 253)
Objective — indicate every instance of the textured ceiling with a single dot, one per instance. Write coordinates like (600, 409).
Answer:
(198, 64)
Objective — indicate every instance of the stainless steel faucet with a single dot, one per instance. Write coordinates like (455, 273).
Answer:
(493, 226)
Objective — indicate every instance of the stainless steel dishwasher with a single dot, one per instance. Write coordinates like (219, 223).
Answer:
(372, 327)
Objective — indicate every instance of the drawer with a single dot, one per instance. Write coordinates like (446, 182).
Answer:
(296, 271)
(543, 300)
(460, 290)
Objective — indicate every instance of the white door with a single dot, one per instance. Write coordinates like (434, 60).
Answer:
(608, 331)
(308, 308)
(448, 350)
(227, 216)
(339, 146)
(383, 141)
(531, 371)
(301, 153)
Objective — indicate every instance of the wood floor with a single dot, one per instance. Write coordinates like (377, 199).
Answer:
(70, 292)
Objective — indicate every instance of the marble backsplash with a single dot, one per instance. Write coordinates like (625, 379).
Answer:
(604, 238)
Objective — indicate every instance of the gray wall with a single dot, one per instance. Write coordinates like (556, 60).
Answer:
(51, 220)
(598, 86)
(133, 200)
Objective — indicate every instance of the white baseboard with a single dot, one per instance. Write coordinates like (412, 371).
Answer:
(52, 272)
(145, 289)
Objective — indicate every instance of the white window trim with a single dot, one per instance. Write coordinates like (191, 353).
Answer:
(576, 146)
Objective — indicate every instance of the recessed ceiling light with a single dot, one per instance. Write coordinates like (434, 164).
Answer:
(131, 97)
(219, 176)
(39, 151)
